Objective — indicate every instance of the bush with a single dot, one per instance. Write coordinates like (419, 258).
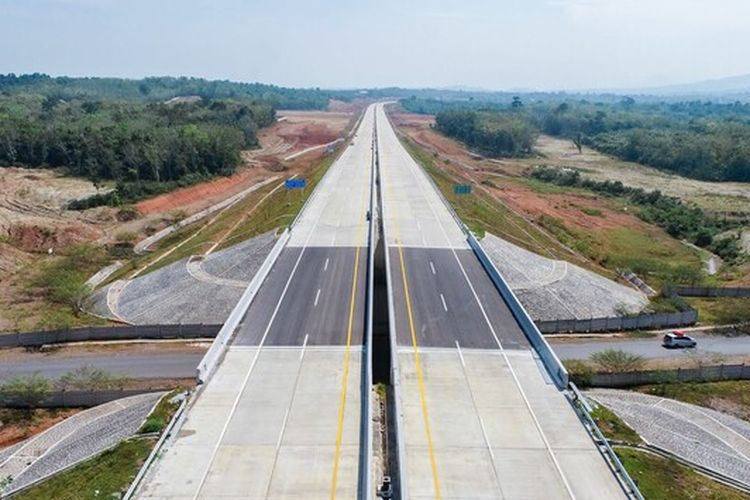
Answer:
(87, 378)
(617, 361)
(29, 391)
(581, 374)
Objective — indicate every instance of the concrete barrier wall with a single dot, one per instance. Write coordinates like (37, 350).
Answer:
(102, 333)
(706, 291)
(215, 353)
(550, 359)
(701, 374)
(617, 323)
(72, 399)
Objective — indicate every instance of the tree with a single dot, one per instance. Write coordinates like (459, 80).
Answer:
(517, 102)
(578, 142)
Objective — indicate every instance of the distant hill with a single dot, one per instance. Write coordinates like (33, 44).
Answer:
(733, 85)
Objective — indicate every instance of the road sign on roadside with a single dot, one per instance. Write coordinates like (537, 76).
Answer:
(295, 183)
(462, 189)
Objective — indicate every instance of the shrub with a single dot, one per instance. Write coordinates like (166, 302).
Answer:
(29, 390)
(617, 360)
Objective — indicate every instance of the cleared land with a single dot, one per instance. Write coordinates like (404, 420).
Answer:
(33, 219)
(598, 233)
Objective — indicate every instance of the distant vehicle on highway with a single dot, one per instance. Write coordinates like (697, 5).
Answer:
(678, 339)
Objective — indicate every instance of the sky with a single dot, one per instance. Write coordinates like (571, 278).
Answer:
(493, 45)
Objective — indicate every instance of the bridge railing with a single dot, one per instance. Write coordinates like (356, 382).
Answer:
(219, 346)
(549, 358)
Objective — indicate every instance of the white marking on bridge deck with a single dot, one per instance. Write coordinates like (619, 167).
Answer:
(325, 267)
(442, 299)
(317, 296)
(432, 267)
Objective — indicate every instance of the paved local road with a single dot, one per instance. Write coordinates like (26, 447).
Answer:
(651, 347)
(140, 365)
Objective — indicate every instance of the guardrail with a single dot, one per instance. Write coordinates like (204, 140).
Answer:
(215, 353)
(156, 449)
(548, 356)
(583, 409)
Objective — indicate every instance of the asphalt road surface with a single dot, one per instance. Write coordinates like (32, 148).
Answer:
(708, 345)
(135, 365)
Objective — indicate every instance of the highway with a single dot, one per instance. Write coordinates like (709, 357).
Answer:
(281, 417)
(479, 415)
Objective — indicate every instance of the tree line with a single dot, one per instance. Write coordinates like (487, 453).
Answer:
(494, 135)
(145, 148)
(163, 88)
(668, 212)
(697, 139)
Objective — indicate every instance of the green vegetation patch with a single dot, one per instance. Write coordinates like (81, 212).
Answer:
(107, 475)
(660, 478)
(161, 415)
(721, 311)
(731, 396)
(613, 427)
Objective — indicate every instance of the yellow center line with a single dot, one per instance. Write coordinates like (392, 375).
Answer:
(344, 383)
(415, 349)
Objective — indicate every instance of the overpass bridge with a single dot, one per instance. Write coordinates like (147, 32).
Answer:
(478, 405)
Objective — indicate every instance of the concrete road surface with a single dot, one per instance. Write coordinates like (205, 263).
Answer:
(708, 345)
(480, 417)
(281, 417)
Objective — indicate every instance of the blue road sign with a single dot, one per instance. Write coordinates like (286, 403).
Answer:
(462, 189)
(295, 183)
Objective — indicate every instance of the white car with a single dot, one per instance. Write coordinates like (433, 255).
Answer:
(677, 339)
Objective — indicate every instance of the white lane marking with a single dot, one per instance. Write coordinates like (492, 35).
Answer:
(243, 386)
(286, 413)
(317, 296)
(479, 417)
(325, 267)
(443, 301)
(432, 266)
(419, 173)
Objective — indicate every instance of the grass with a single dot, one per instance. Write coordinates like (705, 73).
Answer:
(721, 311)
(277, 211)
(651, 254)
(660, 478)
(613, 427)
(654, 256)
(160, 416)
(732, 396)
(482, 213)
(108, 475)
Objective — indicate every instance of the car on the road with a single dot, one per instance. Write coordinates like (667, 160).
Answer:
(677, 339)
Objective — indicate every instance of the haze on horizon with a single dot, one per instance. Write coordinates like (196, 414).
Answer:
(502, 44)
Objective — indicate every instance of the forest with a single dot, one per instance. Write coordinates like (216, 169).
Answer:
(697, 139)
(163, 88)
(133, 132)
(145, 148)
(491, 134)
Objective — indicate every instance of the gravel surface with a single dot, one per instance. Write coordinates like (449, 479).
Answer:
(174, 295)
(75, 439)
(706, 437)
(554, 289)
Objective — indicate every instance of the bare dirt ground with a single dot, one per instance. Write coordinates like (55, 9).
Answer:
(585, 216)
(711, 196)
(33, 219)
(17, 425)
